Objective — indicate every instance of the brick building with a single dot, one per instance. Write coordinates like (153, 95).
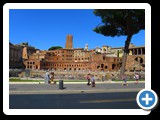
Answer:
(136, 58)
(18, 53)
(27, 50)
(72, 59)
(80, 59)
(15, 56)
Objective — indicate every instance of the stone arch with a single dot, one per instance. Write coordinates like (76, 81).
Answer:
(136, 67)
(104, 58)
(119, 65)
(113, 66)
(105, 66)
(139, 59)
(98, 67)
(102, 65)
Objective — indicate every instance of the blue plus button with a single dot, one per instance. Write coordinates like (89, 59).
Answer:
(147, 99)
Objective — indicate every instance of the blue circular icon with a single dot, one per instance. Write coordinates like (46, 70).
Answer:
(147, 99)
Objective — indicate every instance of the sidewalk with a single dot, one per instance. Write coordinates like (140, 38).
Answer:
(105, 82)
(68, 87)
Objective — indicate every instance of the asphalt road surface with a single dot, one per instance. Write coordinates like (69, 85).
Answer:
(118, 100)
(103, 96)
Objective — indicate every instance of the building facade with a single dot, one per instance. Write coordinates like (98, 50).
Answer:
(73, 59)
(136, 59)
(83, 59)
(15, 56)
(18, 53)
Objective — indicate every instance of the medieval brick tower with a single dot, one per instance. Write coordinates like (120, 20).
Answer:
(69, 41)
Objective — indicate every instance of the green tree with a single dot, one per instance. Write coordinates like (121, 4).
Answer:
(55, 47)
(121, 22)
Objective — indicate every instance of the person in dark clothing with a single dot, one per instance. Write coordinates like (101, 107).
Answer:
(88, 79)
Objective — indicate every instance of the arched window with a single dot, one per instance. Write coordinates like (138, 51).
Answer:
(106, 67)
(98, 67)
(104, 57)
(102, 65)
(139, 59)
(113, 66)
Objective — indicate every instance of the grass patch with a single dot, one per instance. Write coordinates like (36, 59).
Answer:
(19, 80)
(117, 80)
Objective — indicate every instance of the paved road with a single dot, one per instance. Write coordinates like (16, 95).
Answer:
(74, 96)
(118, 100)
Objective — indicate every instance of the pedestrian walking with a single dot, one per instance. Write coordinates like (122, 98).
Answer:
(124, 78)
(47, 77)
(88, 79)
(136, 77)
(52, 78)
(93, 81)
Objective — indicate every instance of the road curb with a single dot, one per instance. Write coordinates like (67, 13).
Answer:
(63, 91)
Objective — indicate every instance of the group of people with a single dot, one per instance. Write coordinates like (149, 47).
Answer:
(136, 77)
(49, 78)
(90, 80)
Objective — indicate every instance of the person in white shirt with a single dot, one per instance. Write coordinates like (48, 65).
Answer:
(47, 77)
(93, 81)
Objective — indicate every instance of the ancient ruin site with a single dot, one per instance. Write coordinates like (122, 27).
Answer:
(75, 63)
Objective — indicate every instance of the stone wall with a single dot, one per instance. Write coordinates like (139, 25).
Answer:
(68, 75)
(15, 72)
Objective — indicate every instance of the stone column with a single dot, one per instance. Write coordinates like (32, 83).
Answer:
(137, 51)
(133, 52)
